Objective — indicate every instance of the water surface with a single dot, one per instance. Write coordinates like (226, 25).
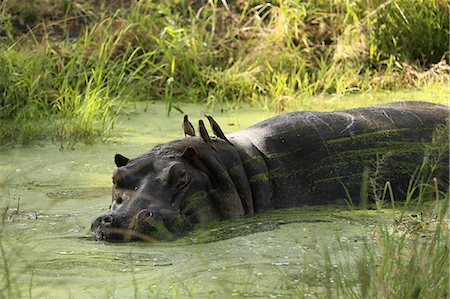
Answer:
(49, 197)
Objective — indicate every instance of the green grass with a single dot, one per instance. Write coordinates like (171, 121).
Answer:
(403, 259)
(67, 67)
(407, 255)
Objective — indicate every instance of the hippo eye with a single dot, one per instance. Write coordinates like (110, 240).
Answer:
(144, 215)
(119, 200)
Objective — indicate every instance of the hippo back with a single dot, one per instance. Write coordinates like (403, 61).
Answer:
(320, 157)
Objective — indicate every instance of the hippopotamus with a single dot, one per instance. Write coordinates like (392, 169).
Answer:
(290, 160)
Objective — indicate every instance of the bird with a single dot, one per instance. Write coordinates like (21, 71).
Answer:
(188, 127)
(216, 129)
(204, 134)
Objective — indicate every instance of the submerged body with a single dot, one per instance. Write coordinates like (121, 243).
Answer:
(299, 158)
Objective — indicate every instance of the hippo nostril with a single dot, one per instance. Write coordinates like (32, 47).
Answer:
(107, 219)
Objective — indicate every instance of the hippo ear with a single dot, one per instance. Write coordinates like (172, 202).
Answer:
(178, 176)
(120, 160)
(192, 156)
(190, 153)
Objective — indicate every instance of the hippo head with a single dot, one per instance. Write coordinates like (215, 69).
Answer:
(162, 193)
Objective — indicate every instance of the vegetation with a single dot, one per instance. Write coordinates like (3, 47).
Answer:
(67, 66)
(400, 249)
(407, 257)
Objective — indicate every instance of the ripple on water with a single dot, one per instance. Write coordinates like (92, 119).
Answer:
(81, 193)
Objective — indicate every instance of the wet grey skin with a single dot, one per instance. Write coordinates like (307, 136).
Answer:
(216, 129)
(188, 127)
(204, 134)
(290, 160)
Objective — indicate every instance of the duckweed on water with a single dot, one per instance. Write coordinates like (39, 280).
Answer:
(316, 251)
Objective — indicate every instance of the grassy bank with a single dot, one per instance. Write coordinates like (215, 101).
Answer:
(66, 67)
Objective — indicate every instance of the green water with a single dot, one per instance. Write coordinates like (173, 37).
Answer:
(48, 198)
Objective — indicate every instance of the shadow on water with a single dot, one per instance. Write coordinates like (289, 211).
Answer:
(49, 198)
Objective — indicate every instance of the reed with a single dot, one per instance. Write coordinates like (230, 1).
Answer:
(407, 255)
(65, 70)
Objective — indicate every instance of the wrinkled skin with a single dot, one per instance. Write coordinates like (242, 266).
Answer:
(295, 159)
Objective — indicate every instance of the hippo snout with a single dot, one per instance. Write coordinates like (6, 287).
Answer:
(144, 225)
(108, 227)
(106, 220)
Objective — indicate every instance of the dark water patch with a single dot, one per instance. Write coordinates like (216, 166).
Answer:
(80, 193)
(44, 184)
(73, 261)
(239, 231)
(272, 221)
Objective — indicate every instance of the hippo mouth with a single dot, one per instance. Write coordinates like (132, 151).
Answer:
(120, 235)
(111, 234)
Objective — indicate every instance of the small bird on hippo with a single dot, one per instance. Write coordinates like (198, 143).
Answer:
(204, 134)
(188, 127)
(216, 129)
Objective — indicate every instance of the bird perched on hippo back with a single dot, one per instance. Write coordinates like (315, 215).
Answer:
(216, 129)
(204, 134)
(188, 127)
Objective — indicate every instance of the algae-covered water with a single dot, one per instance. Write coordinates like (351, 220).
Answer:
(48, 198)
